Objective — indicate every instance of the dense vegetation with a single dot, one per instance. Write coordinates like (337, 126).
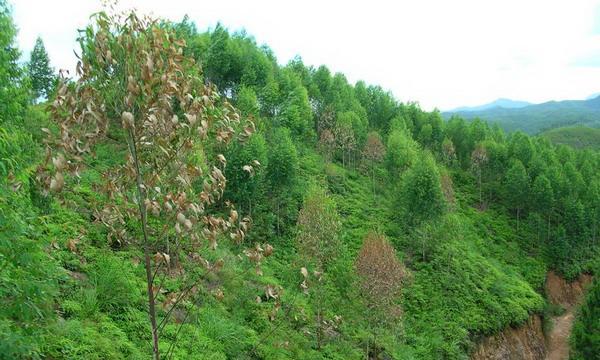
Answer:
(339, 181)
(579, 137)
(534, 119)
(585, 338)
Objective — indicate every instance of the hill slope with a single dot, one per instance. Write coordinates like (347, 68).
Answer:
(575, 136)
(334, 165)
(533, 119)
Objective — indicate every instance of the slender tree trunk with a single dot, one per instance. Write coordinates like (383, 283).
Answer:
(369, 337)
(373, 177)
(548, 230)
(147, 259)
(319, 333)
(480, 193)
(319, 318)
(278, 215)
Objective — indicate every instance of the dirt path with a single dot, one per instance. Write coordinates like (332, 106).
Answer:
(558, 347)
(568, 295)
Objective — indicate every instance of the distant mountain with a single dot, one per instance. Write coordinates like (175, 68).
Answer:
(593, 96)
(501, 103)
(536, 118)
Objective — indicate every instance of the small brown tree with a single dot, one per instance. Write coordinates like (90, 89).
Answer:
(325, 120)
(139, 95)
(448, 151)
(318, 243)
(448, 189)
(373, 152)
(380, 279)
(345, 141)
(327, 144)
(479, 158)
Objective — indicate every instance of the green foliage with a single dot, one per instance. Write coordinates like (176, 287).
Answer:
(246, 188)
(69, 292)
(401, 153)
(14, 91)
(579, 137)
(283, 160)
(247, 102)
(585, 338)
(318, 227)
(42, 75)
(516, 186)
(101, 339)
(534, 119)
(115, 286)
(420, 196)
(356, 123)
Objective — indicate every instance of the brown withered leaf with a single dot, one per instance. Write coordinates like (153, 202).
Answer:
(72, 245)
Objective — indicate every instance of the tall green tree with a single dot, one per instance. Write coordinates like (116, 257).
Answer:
(593, 210)
(517, 188)
(14, 93)
(297, 114)
(420, 197)
(401, 153)
(542, 198)
(41, 73)
(245, 172)
(282, 170)
(458, 132)
(585, 338)
(520, 147)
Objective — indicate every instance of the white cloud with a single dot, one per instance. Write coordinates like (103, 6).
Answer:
(441, 53)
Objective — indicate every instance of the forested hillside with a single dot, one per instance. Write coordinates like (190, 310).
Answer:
(186, 196)
(536, 118)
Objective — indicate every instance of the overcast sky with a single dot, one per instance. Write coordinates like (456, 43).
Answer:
(442, 54)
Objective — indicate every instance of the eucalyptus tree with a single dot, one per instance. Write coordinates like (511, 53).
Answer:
(542, 198)
(420, 197)
(318, 244)
(381, 275)
(516, 188)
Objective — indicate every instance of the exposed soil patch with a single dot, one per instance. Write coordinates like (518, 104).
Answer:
(525, 342)
(528, 342)
(563, 293)
(568, 295)
(558, 340)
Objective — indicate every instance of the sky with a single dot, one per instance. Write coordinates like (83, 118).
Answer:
(443, 54)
